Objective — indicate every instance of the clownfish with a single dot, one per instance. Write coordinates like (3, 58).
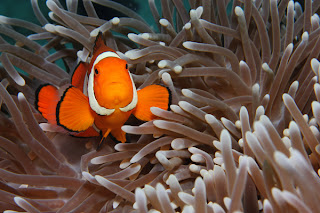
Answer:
(101, 97)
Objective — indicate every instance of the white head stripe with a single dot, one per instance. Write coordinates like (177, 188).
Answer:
(92, 98)
(105, 55)
(134, 101)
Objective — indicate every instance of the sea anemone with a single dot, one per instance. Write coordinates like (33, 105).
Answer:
(242, 134)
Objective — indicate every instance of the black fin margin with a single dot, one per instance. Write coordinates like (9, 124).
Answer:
(170, 95)
(98, 41)
(170, 98)
(101, 142)
(36, 101)
(128, 139)
(58, 111)
(75, 70)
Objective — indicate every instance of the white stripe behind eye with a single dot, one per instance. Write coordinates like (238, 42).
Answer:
(92, 98)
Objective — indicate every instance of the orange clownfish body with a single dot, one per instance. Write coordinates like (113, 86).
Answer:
(101, 97)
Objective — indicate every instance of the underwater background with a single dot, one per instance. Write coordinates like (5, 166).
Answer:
(22, 9)
(242, 133)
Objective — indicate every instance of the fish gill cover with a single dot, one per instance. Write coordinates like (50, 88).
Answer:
(242, 134)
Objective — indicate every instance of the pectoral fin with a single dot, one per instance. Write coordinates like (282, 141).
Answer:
(151, 96)
(73, 111)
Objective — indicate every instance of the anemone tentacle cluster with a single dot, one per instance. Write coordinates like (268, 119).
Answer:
(242, 134)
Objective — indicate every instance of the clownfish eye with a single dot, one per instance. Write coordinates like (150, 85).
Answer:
(126, 66)
(96, 71)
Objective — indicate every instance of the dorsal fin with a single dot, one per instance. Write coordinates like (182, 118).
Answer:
(99, 42)
(99, 47)
(78, 75)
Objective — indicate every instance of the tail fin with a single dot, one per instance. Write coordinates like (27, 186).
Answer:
(47, 98)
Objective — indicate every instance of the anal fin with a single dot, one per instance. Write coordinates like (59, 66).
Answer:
(119, 135)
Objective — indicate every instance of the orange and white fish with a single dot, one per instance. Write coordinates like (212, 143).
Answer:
(101, 97)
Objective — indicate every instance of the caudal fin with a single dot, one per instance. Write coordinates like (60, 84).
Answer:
(47, 98)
